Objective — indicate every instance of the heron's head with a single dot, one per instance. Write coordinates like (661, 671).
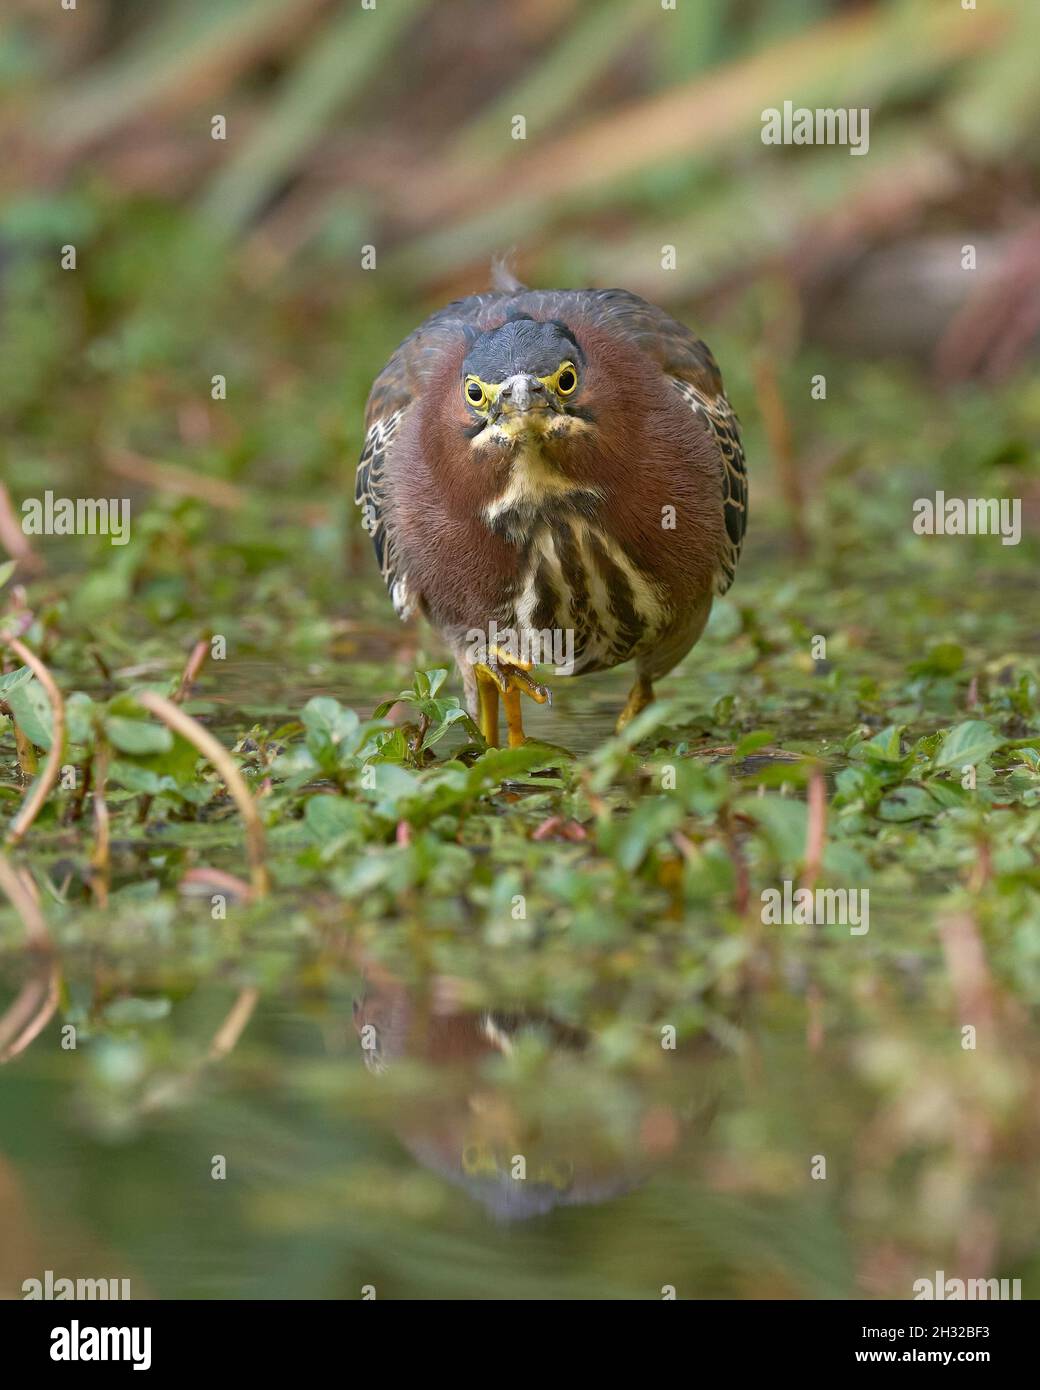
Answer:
(524, 381)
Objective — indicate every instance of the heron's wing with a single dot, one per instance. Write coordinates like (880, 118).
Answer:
(695, 375)
(721, 419)
(371, 495)
(393, 395)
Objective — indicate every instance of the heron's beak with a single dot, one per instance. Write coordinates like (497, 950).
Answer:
(519, 396)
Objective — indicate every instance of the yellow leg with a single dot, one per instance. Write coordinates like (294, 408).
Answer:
(487, 707)
(509, 675)
(641, 695)
(514, 718)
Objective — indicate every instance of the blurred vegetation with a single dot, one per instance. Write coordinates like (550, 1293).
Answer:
(394, 128)
(200, 1035)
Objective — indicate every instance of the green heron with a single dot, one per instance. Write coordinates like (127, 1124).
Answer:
(460, 1121)
(553, 472)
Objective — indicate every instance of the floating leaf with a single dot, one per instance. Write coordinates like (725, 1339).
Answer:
(907, 803)
(330, 818)
(971, 742)
(885, 747)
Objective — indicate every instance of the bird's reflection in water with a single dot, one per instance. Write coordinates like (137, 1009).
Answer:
(521, 1140)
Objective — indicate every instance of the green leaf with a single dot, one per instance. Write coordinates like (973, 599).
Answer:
(498, 765)
(394, 788)
(857, 784)
(330, 818)
(971, 742)
(449, 717)
(80, 713)
(750, 743)
(331, 730)
(647, 826)
(13, 679)
(32, 712)
(130, 1011)
(884, 747)
(132, 777)
(393, 748)
(782, 823)
(941, 660)
(907, 803)
(137, 737)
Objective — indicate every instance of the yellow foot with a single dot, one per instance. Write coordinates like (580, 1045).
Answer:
(641, 695)
(508, 675)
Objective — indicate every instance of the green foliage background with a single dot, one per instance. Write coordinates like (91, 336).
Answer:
(640, 861)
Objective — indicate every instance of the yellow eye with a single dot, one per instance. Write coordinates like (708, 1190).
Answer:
(475, 393)
(566, 380)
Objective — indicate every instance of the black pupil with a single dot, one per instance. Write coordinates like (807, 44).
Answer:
(566, 381)
(474, 391)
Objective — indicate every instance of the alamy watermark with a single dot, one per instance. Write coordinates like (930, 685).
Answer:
(942, 1289)
(50, 1287)
(77, 516)
(846, 907)
(79, 1342)
(972, 516)
(537, 646)
(800, 125)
